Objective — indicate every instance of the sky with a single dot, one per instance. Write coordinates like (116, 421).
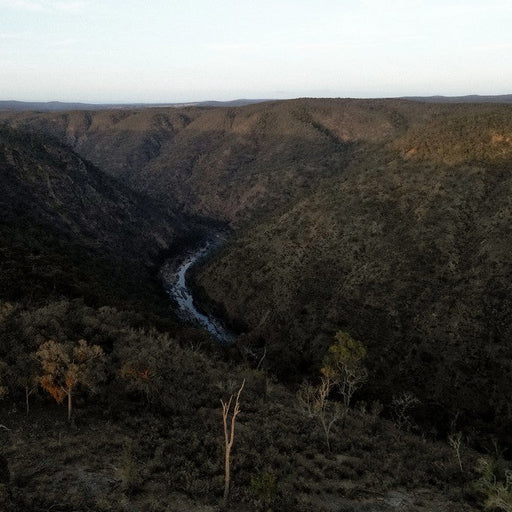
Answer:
(122, 51)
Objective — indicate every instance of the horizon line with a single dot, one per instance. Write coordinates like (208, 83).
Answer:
(247, 100)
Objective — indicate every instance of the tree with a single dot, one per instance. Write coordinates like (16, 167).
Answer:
(3, 370)
(343, 368)
(229, 435)
(66, 365)
(27, 372)
(315, 403)
(343, 365)
(455, 441)
(401, 406)
(3, 389)
(495, 484)
(143, 372)
(145, 359)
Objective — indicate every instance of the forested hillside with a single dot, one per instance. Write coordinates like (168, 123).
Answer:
(384, 219)
(229, 163)
(407, 248)
(414, 261)
(69, 229)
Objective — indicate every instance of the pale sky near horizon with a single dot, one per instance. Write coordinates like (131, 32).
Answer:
(105, 51)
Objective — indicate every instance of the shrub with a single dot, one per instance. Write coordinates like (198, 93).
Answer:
(495, 484)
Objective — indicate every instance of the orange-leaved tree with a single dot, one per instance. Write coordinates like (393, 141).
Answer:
(66, 365)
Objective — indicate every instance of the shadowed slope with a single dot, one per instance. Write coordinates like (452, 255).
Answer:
(388, 218)
(68, 228)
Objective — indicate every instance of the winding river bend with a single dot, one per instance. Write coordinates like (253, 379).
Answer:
(174, 277)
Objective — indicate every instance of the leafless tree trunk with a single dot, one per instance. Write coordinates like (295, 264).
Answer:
(262, 358)
(455, 441)
(68, 392)
(314, 402)
(329, 412)
(352, 378)
(27, 393)
(229, 435)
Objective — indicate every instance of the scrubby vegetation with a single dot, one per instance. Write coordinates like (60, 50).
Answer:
(149, 433)
(368, 278)
(407, 251)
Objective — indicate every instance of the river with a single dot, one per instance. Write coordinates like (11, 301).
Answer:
(174, 276)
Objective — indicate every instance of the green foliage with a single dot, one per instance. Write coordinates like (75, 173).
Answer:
(343, 368)
(173, 448)
(345, 353)
(349, 227)
(495, 484)
(4, 390)
(387, 247)
(343, 365)
(264, 487)
(128, 468)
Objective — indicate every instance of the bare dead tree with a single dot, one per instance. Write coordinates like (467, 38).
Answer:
(401, 405)
(329, 412)
(455, 441)
(314, 402)
(258, 366)
(229, 434)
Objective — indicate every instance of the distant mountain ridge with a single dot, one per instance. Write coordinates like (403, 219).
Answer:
(57, 106)
(471, 98)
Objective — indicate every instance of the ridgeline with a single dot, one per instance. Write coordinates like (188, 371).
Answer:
(387, 219)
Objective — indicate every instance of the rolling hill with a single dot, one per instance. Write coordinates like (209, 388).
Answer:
(387, 218)
(68, 229)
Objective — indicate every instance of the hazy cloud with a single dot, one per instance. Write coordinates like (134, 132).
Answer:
(248, 46)
(29, 5)
(63, 43)
(45, 5)
(69, 6)
(14, 36)
(492, 47)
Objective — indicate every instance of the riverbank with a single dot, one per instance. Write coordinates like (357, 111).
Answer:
(175, 279)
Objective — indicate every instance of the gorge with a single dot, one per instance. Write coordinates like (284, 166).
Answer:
(386, 219)
(174, 277)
